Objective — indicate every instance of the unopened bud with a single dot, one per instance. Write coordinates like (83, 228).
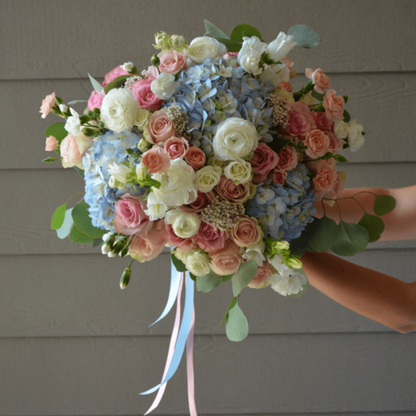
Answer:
(125, 277)
(63, 108)
(128, 66)
(294, 263)
(155, 60)
(105, 249)
(124, 252)
(177, 42)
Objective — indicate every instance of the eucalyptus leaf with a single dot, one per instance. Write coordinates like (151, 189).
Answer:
(77, 236)
(232, 304)
(180, 267)
(384, 204)
(243, 276)
(117, 83)
(58, 217)
(236, 326)
(56, 130)
(80, 171)
(226, 278)
(213, 31)
(207, 283)
(351, 239)
(82, 221)
(243, 30)
(77, 101)
(95, 84)
(97, 242)
(322, 234)
(304, 36)
(232, 46)
(67, 225)
(374, 226)
(304, 287)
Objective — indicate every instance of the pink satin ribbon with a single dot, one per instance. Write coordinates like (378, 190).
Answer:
(190, 367)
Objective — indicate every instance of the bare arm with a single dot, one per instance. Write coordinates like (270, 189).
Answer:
(375, 295)
(400, 224)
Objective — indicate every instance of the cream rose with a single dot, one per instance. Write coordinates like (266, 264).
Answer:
(119, 109)
(355, 136)
(205, 47)
(235, 139)
(197, 262)
(207, 178)
(239, 171)
(184, 224)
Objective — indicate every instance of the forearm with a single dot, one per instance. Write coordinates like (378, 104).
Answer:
(375, 295)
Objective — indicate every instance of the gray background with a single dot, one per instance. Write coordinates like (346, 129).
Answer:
(72, 343)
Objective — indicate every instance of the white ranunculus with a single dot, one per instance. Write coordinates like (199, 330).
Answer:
(255, 252)
(250, 54)
(275, 74)
(235, 139)
(177, 185)
(119, 109)
(73, 123)
(205, 47)
(197, 262)
(207, 178)
(341, 129)
(142, 118)
(355, 136)
(164, 86)
(239, 171)
(280, 47)
(155, 208)
(184, 224)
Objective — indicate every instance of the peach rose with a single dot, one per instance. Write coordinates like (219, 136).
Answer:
(334, 105)
(278, 175)
(147, 247)
(234, 193)
(246, 232)
(262, 162)
(176, 147)
(159, 129)
(335, 143)
(322, 121)
(157, 160)
(184, 244)
(301, 121)
(318, 144)
(319, 79)
(337, 187)
(113, 74)
(47, 105)
(262, 277)
(288, 158)
(226, 260)
(203, 199)
(172, 62)
(284, 85)
(73, 149)
(51, 144)
(195, 157)
(210, 238)
(289, 64)
(325, 177)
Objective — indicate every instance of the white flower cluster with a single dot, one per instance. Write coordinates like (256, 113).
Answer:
(353, 131)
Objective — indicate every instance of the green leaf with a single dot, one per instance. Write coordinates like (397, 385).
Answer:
(236, 327)
(232, 304)
(374, 226)
(323, 233)
(97, 242)
(232, 46)
(304, 287)
(180, 267)
(77, 236)
(340, 158)
(345, 97)
(67, 225)
(58, 217)
(317, 95)
(384, 204)
(95, 84)
(80, 171)
(243, 276)
(207, 283)
(304, 36)
(117, 83)
(227, 277)
(77, 101)
(319, 108)
(351, 239)
(347, 116)
(192, 276)
(243, 30)
(50, 159)
(278, 144)
(213, 31)
(56, 130)
(82, 220)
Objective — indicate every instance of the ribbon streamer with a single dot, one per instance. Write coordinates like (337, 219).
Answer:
(190, 368)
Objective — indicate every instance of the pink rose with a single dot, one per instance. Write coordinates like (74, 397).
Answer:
(112, 75)
(334, 105)
(226, 260)
(195, 157)
(246, 232)
(262, 162)
(144, 95)
(202, 201)
(318, 144)
(156, 160)
(172, 62)
(96, 99)
(210, 238)
(129, 216)
(147, 247)
(184, 244)
(288, 158)
(51, 144)
(47, 105)
(337, 187)
(73, 149)
(262, 277)
(335, 143)
(319, 79)
(176, 147)
(160, 128)
(284, 85)
(278, 175)
(289, 64)
(322, 121)
(151, 72)
(234, 193)
(325, 177)
(301, 121)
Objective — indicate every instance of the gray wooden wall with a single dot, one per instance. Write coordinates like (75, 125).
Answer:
(72, 343)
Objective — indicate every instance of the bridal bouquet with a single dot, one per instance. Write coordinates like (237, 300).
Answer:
(210, 151)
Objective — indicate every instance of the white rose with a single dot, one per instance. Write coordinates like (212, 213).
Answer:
(141, 171)
(355, 137)
(119, 172)
(119, 109)
(255, 252)
(341, 129)
(207, 178)
(250, 54)
(142, 118)
(155, 208)
(73, 123)
(239, 171)
(164, 86)
(235, 139)
(197, 262)
(184, 224)
(280, 47)
(205, 47)
(177, 185)
(275, 74)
